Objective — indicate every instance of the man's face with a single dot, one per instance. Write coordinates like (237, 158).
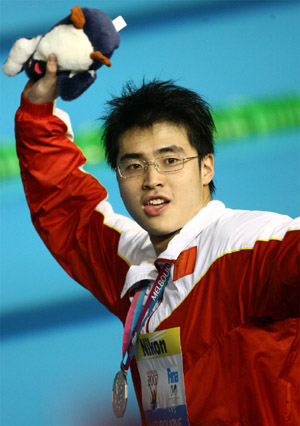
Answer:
(162, 203)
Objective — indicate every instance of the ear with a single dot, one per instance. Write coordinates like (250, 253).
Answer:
(207, 169)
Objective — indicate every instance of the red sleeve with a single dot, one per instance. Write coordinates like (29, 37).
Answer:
(62, 200)
(275, 277)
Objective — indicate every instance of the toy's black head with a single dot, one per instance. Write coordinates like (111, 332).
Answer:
(35, 69)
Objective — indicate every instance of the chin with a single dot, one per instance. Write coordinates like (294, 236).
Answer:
(162, 233)
(158, 226)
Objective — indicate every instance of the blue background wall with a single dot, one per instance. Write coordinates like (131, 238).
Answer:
(60, 348)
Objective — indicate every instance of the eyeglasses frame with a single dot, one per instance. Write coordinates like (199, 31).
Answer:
(149, 163)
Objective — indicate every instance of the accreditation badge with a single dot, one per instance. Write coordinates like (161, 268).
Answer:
(159, 362)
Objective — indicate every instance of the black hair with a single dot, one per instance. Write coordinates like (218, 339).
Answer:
(153, 102)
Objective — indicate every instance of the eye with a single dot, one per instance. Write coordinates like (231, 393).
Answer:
(131, 167)
(134, 166)
(171, 161)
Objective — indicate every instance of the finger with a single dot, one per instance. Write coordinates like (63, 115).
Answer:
(51, 68)
(50, 77)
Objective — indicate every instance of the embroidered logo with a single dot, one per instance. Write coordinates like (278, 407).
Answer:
(185, 264)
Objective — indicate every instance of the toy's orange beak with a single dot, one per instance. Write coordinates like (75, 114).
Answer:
(77, 17)
(101, 58)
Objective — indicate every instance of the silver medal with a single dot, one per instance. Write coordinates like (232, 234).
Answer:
(120, 394)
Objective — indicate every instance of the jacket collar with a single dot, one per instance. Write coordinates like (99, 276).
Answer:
(147, 270)
(211, 212)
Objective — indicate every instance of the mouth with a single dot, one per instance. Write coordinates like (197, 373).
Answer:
(154, 206)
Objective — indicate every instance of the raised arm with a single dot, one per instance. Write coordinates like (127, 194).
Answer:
(63, 198)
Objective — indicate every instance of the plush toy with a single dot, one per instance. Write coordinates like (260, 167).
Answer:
(82, 43)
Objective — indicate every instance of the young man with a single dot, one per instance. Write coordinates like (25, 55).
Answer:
(220, 342)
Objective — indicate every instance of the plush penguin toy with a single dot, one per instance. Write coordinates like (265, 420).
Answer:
(82, 43)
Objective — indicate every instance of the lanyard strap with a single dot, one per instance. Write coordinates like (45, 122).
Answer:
(138, 314)
(134, 314)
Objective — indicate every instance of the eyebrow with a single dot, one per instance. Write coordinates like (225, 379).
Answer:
(164, 150)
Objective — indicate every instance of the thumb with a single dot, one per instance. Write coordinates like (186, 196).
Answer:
(51, 67)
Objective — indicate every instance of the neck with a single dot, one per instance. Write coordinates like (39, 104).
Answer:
(160, 242)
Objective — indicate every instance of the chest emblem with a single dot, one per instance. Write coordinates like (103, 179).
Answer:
(185, 264)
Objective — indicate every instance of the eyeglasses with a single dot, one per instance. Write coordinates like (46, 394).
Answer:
(135, 167)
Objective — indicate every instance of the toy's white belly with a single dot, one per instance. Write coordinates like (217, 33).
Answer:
(71, 47)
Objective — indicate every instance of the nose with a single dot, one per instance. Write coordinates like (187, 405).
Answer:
(152, 178)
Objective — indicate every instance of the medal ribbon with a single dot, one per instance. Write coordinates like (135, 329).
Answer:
(138, 314)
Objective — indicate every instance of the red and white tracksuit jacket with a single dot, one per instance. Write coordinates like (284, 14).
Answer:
(233, 291)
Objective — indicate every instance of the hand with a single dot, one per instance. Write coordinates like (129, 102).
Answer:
(44, 90)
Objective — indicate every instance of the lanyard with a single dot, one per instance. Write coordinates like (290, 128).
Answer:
(138, 314)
